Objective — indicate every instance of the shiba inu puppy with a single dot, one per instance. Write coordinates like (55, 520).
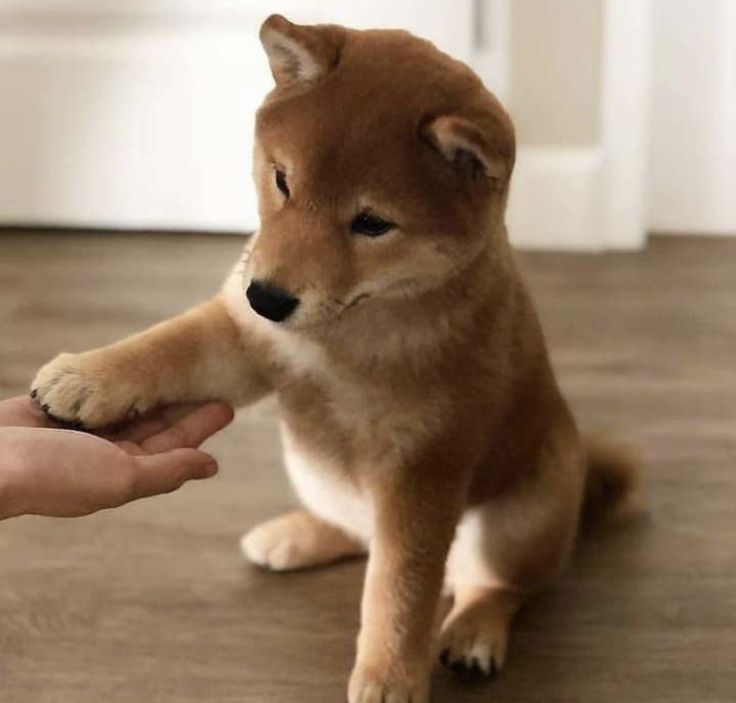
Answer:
(380, 300)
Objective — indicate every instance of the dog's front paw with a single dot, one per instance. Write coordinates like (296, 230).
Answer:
(87, 390)
(388, 685)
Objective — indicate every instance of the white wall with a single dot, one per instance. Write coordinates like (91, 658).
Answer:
(692, 154)
(555, 76)
(139, 113)
(130, 114)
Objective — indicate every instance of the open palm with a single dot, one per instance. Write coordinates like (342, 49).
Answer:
(49, 470)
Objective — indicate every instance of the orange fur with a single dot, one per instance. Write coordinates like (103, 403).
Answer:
(421, 418)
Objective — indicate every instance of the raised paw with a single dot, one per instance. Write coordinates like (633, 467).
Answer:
(85, 390)
(296, 541)
(367, 686)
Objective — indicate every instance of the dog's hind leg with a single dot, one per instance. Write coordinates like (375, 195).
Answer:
(298, 540)
(475, 632)
(474, 635)
(505, 549)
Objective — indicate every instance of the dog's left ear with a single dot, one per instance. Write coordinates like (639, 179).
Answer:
(465, 146)
(300, 53)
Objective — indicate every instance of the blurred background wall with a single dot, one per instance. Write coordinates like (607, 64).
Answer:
(692, 146)
(139, 114)
(555, 77)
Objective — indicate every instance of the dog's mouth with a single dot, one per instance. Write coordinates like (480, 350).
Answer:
(335, 309)
(352, 303)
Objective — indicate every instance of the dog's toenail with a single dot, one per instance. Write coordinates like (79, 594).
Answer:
(34, 393)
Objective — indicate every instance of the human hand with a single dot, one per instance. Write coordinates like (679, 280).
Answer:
(48, 470)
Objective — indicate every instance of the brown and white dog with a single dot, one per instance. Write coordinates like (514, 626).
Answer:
(380, 300)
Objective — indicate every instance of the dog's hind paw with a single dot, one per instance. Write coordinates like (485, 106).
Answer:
(297, 540)
(474, 649)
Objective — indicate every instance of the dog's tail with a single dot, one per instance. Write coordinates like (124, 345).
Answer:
(612, 476)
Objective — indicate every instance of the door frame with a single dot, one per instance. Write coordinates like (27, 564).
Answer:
(586, 197)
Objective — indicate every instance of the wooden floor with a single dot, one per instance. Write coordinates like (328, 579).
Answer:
(152, 603)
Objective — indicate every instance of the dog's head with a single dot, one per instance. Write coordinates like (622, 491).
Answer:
(382, 167)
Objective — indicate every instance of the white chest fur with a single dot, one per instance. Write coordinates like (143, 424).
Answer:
(327, 492)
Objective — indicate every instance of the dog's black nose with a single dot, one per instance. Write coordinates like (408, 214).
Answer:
(270, 301)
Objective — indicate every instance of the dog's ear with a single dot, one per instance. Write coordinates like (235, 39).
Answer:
(465, 146)
(300, 52)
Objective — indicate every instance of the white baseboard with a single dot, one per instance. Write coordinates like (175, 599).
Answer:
(554, 201)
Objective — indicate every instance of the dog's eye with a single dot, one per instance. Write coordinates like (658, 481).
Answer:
(281, 183)
(370, 225)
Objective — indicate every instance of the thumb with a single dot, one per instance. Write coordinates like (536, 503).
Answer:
(167, 471)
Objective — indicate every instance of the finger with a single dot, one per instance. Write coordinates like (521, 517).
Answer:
(21, 411)
(163, 473)
(191, 430)
(151, 424)
(130, 448)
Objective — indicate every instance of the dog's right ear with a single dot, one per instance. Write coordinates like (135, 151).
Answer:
(300, 53)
